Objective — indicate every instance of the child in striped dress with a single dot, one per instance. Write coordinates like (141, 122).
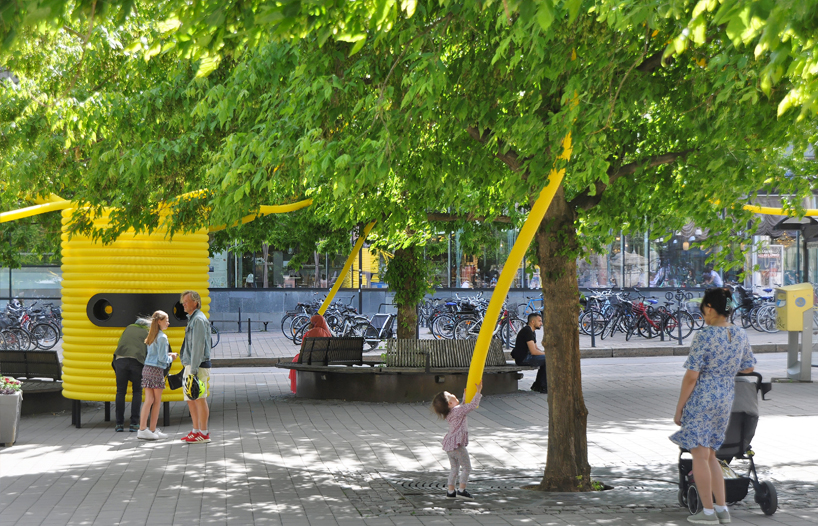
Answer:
(447, 406)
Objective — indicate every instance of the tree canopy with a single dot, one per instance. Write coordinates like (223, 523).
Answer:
(676, 111)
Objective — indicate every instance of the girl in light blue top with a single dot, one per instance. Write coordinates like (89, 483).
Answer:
(157, 360)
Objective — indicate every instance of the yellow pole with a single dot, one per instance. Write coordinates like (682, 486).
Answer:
(515, 258)
(350, 259)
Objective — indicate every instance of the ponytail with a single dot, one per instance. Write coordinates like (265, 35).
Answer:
(153, 332)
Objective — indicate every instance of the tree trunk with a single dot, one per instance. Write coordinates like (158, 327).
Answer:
(566, 467)
(407, 312)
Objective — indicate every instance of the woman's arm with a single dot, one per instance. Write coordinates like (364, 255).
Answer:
(749, 370)
(688, 383)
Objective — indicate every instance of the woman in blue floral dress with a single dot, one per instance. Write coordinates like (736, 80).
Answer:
(717, 353)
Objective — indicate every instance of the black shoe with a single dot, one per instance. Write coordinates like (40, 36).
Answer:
(451, 494)
(119, 428)
(463, 494)
(134, 428)
(536, 387)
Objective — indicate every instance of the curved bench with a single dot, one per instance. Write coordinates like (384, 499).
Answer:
(411, 371)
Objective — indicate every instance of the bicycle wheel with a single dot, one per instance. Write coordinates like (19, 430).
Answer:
(214, 336)
(335, 321)
(286, 324)
(646, 329)
(610, 327)
(698, 320)
(24, 340)
(298, 335)
(673, 321)
(298, 325)
(44, 335)
(753, 316)
(8, 341)
(366, 331)
(767, 318)
(443, 327)
(510, 330)
(585, 322)
(467, 329)
(740, 316)
(630, 330)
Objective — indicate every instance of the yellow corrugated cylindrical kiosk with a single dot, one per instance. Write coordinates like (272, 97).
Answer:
(106, 284)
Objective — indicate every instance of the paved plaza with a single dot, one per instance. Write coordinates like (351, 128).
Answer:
(276, 459)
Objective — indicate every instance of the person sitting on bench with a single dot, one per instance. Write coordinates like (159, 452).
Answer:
(317, 328)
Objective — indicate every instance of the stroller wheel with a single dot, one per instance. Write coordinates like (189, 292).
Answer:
(694, 505)
(767, 498)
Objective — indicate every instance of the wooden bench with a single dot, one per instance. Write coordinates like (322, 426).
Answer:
(41, 375)
(445, 354)
(28, 365)
(412, 371)
(332, 351)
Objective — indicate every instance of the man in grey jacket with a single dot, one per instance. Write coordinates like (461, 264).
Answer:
(195, 356)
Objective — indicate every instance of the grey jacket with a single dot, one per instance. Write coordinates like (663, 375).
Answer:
(196, 347)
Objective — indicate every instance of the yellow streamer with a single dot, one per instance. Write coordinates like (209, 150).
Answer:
(33, 211)
(515, 258)
(266, 210)
(766, 210)
(347, 265)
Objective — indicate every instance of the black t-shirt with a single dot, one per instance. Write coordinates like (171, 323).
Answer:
(520, 350)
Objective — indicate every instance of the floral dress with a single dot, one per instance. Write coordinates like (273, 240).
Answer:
(717, 353)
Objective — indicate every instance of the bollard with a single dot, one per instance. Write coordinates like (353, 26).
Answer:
(679, 321)
(249, 339)
(239, 318)
(593, 330)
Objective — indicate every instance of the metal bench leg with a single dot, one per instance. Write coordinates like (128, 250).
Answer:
(166, 414)
(107, 411)
(77, 412)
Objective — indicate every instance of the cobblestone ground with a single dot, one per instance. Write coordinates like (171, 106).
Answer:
(276, 459)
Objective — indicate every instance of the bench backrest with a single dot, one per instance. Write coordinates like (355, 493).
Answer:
(441, 353)
(30, 364)
(324, 351)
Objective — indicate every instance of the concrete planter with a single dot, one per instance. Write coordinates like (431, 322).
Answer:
(10, 406)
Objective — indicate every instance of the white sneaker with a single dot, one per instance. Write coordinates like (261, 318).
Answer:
(146, 434)
(159, 434)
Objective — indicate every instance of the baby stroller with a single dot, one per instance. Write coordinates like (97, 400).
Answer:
(740, 431)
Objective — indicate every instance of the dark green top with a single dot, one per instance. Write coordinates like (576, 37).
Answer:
(132, 343)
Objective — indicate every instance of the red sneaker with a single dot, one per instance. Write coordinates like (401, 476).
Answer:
(190, 438)
(203, 438)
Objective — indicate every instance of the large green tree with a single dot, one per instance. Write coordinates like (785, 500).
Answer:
(466, 110)
(459, 110)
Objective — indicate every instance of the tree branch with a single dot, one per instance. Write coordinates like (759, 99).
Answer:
(84, 48)
(651, 63)
(434, 216)
(587, 201)
(510, 158)
(74, 32)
